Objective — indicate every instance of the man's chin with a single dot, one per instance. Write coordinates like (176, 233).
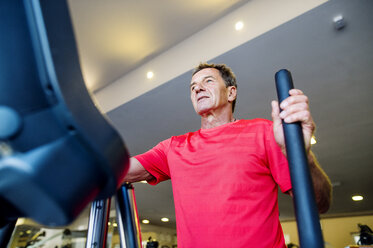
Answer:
(202, 111)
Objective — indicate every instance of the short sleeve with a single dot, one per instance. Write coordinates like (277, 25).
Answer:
(155, 162)
(277, 161)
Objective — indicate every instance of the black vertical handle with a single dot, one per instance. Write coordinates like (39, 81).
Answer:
(306, 212)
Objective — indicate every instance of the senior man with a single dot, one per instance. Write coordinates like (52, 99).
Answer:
(225, 176)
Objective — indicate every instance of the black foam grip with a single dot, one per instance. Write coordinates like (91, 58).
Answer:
(306, 212)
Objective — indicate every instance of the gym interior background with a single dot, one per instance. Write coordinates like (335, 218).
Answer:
(137, 57)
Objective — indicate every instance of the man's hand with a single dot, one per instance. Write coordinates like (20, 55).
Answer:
(294, 108)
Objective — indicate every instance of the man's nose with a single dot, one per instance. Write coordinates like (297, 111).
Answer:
(199, 87)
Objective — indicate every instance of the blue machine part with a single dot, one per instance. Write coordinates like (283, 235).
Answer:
(64, 152)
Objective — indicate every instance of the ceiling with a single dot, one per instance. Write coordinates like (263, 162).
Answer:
(116, 36)
(333, 67)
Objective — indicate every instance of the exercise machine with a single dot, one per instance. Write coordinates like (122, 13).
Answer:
(58, 153)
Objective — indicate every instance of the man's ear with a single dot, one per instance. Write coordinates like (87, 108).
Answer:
(232, 93)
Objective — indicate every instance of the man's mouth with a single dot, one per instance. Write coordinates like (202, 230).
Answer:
(201, 97)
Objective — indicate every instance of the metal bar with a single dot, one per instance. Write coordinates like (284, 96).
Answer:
(306, 212)
(6, 233)
(127, 217)
(98, 224)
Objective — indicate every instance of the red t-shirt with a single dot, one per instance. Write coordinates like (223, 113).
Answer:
(224, 182)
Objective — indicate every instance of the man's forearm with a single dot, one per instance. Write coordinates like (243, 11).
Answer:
(136, 172)
(321, 183)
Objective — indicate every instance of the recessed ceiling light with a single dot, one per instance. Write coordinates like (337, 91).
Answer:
(145, 221)
(164, 219)
(313, 140)
(239, 25)
(357, 198)
(115, 224)
(150, 74)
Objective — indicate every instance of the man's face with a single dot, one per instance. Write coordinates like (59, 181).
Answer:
(208, 91)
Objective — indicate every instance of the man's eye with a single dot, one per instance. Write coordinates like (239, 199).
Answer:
(209, 80)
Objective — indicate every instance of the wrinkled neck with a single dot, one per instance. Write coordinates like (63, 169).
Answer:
(211, 120)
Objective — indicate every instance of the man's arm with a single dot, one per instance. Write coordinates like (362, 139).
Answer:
(295, 108)
(321, 184)
(136, 172)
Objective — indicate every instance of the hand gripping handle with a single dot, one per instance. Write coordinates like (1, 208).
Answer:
(306, 212)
